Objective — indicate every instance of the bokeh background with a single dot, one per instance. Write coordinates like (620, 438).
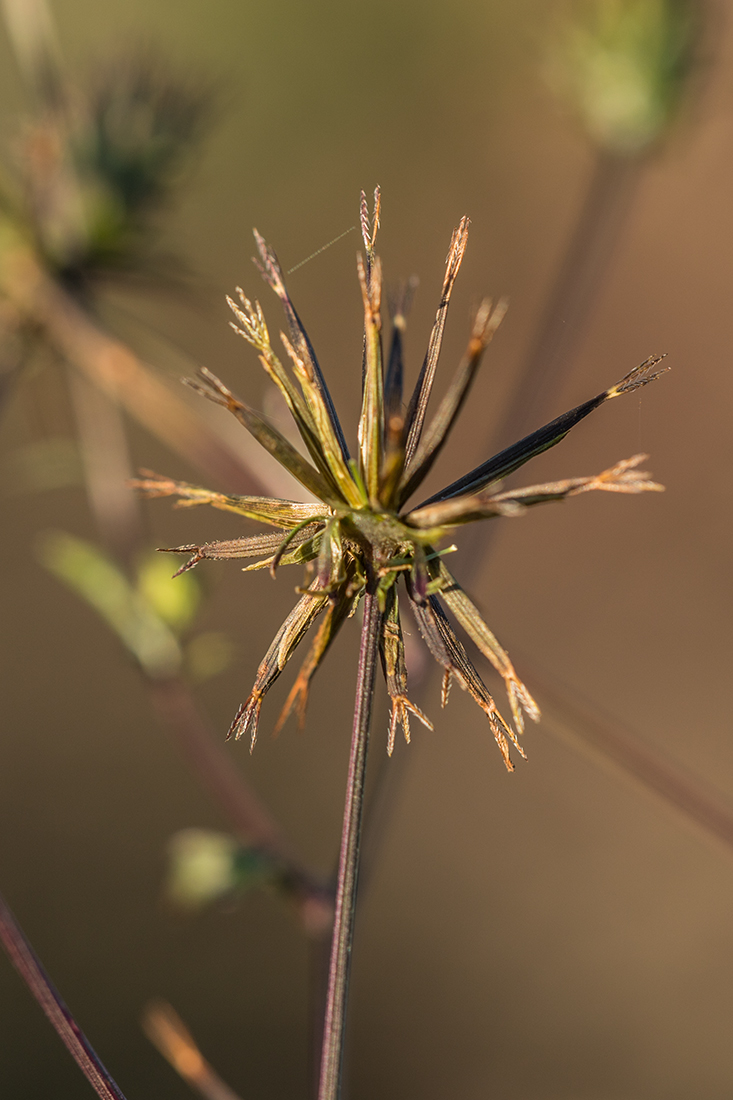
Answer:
(556, 933)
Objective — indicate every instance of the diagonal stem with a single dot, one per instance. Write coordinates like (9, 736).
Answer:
(348, 875)
(28, 965)
(167, 1031)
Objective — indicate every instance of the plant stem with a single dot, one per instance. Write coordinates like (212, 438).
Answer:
(28, 965)
(343, 931)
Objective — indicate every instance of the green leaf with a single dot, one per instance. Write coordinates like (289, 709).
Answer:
(622, 67)
(88, 571)
(175, 600)
(205, 866)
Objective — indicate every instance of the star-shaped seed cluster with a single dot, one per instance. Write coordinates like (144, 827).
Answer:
(361, 531)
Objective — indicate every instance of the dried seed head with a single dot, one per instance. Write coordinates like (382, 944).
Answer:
(361, 532)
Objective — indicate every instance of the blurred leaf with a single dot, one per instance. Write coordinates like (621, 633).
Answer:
(208, 654)
(167, 1031)
(205, 866)
(175, 600)
(92, 575)
(622, 66)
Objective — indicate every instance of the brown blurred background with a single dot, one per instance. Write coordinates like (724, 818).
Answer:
(557, 933)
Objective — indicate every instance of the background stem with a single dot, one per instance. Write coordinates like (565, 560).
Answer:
(28, 965)
(343, 931)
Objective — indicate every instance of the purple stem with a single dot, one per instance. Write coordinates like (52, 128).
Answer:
(348, 875)
(28, 965)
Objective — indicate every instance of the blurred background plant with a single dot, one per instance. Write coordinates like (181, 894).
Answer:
(89, 238)
(622, 68)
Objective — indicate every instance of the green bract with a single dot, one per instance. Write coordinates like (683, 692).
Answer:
(362, 530)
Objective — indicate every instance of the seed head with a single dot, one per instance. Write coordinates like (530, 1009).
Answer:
(362, 531)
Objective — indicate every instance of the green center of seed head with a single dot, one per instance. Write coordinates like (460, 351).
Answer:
(381, 534)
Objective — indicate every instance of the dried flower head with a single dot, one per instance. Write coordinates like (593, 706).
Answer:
(98, 158)
(362, 532)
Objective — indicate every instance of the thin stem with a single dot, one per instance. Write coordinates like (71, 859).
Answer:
(348, 876)
(28, 965)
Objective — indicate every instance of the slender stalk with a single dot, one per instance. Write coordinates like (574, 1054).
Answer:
(28, 965)
(348, 876)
